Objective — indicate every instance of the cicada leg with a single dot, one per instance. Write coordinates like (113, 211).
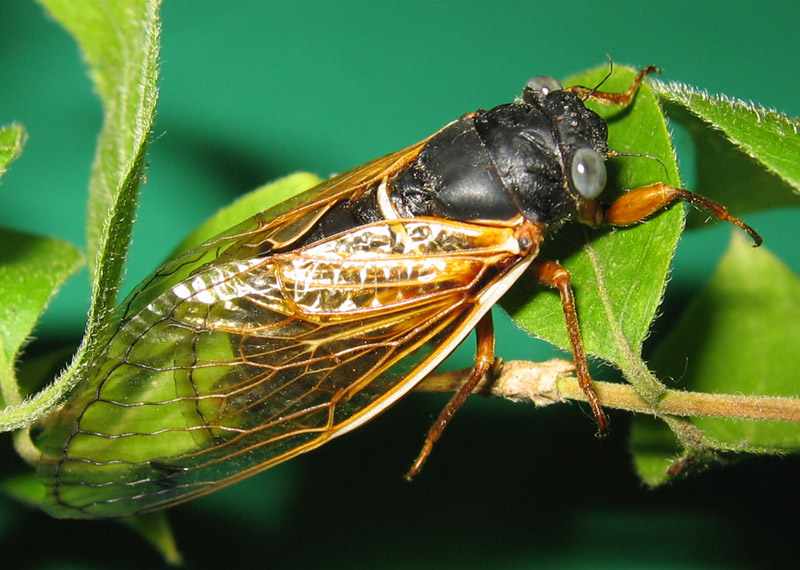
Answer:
(616, 99)
(640, 203)
(484, 360)
(553, 275)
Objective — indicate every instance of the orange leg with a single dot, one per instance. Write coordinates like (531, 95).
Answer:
(484, 359)
(616, 99)
(553, 275)
(638, 204)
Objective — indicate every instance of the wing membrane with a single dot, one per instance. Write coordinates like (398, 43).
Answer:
(251, 362)
(271, 229)
(248, 361)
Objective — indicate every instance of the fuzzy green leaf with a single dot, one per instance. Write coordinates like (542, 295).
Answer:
(768, 136)
(120, 41)
(739, 336)
(121, 52)
(32, 269)
(748, 152)
(654, 448)
(619, 275)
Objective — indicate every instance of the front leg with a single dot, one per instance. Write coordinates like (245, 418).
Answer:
(639, 204)
(553, 275)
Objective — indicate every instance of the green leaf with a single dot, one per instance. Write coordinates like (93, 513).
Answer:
(739, 336)
(747, 152)
(120, 41)
(23, 488)
(32, 269)
(12, 139)
(654, 449)
(618, 275)
(770, 137)
(155, 528)
(250, 204)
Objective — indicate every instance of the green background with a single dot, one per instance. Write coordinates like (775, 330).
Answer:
(251, 91)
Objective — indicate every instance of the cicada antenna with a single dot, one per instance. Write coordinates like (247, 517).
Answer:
(597, 87)
(609, 74)
(616, 154)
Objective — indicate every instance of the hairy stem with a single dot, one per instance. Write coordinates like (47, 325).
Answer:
(553, 381)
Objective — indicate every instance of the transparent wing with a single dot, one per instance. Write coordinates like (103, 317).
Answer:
(252, 361)
(276, 228)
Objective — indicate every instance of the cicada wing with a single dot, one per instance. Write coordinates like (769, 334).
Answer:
(251, 362)
(275, 228)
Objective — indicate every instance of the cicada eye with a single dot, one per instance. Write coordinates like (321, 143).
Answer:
(543, 84)
(588, 172)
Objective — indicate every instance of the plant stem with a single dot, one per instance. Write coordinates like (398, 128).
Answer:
(552, 381)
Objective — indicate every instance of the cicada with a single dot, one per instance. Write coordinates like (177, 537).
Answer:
(313, 317)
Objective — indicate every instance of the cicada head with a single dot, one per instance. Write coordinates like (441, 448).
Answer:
(539, 157)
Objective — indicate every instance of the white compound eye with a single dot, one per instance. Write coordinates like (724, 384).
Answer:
(588, 172)
(543, 84)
